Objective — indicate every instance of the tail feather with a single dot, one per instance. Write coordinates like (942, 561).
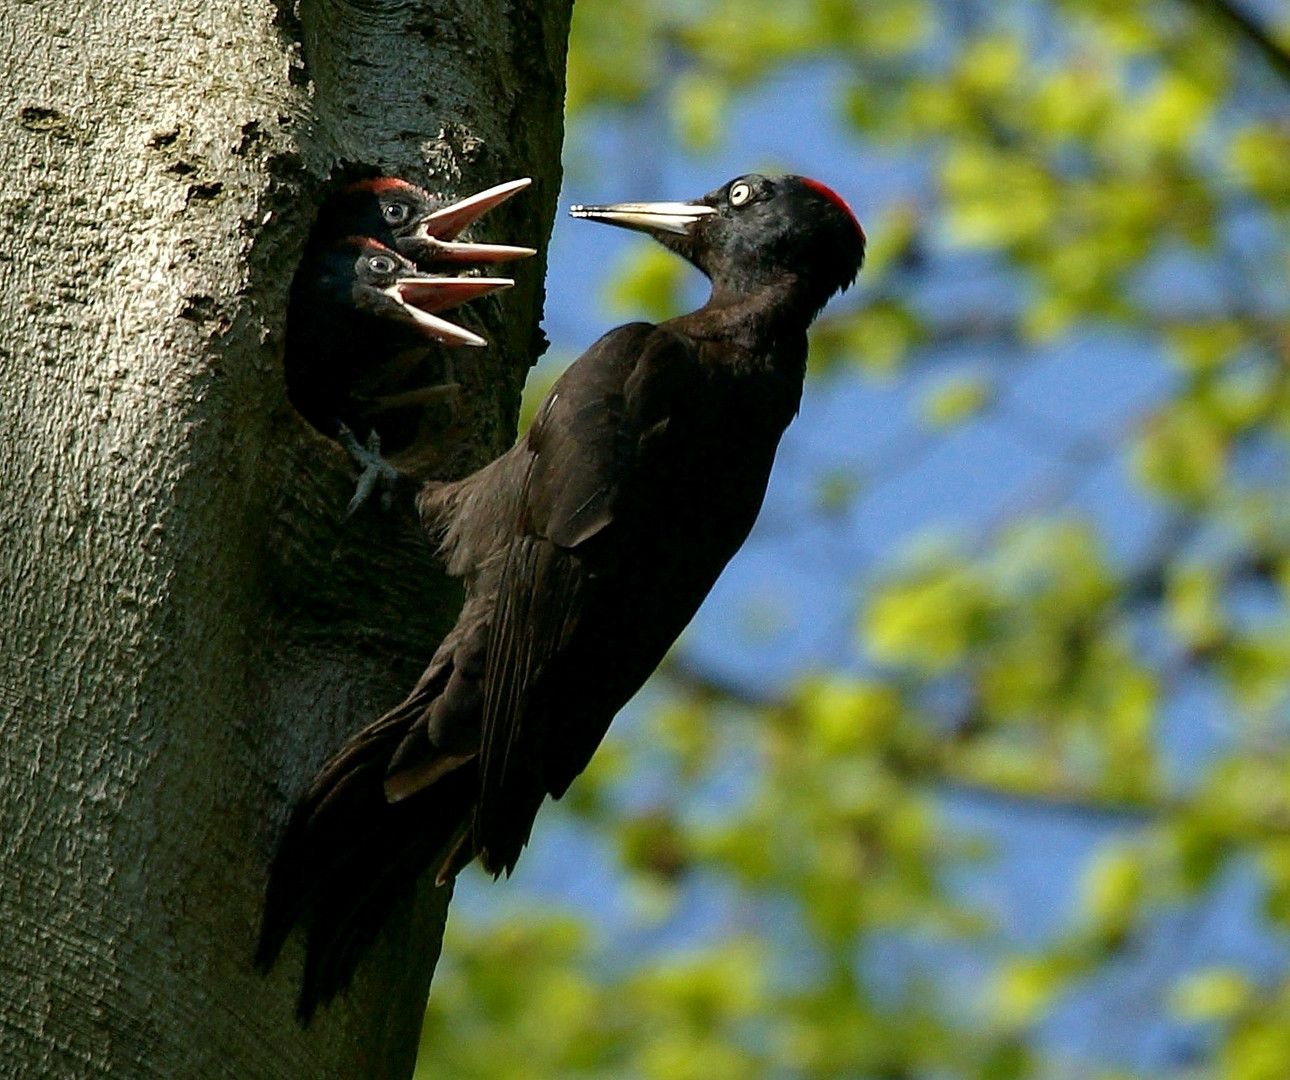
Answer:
(345, 925)
(349, 857)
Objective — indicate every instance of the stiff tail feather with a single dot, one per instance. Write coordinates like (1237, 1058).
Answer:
(349, 857)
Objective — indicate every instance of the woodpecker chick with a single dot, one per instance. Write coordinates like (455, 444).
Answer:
(361, 361)
(360, 321)
(406, 217)
(585, 549)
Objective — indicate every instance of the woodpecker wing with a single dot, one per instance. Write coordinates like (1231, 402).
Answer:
(588, 446)
(590, 435)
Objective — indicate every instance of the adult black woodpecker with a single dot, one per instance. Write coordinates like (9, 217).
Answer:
(361, 364)
(585, 549)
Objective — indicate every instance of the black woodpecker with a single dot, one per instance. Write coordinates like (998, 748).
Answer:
(585, 549)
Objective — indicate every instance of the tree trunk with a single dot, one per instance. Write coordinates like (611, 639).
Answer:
(188, 628)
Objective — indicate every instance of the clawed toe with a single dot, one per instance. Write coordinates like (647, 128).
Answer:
(376, 470)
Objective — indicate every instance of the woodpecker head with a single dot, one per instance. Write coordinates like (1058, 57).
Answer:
(403, 216)
(364, 276)
(753, 232)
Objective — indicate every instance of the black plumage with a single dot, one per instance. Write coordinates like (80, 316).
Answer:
(585, 550)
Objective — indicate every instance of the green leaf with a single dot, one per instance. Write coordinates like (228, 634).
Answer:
(954, 399)
(1215, 994)
(1183, 453)
(1260, 156)
(1193, 608)
(1025, 988)
(699, 103)
(647, 283)
(929, 622)
(877, 339)
(1113, 888)
(845, 716)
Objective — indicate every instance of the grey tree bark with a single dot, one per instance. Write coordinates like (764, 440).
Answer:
(187, 629)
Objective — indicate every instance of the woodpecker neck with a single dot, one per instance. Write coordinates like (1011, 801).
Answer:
(761, 329)
(754, 315)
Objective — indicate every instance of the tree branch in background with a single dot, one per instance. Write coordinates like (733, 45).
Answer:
(940, 766)
(1228, 12)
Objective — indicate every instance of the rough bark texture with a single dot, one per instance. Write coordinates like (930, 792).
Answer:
(187, 629)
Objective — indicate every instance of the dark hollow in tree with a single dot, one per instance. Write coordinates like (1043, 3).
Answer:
(585, 549)
(366, 349)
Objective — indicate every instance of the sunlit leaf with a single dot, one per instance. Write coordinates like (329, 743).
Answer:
(1216, 994)
(955, 399)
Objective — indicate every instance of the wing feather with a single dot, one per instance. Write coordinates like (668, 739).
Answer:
(538, 607)
(587, 446)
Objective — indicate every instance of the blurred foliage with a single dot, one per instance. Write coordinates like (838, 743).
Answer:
(1070, 145)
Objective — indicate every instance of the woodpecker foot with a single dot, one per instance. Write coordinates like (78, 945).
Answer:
(376, 470)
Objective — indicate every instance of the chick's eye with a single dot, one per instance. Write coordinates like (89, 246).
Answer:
(740, 193)
(381, 264)
(396, 213)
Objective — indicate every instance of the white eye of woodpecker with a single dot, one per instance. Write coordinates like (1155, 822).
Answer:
(740, 193)
(381, 264)
(396, 213)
